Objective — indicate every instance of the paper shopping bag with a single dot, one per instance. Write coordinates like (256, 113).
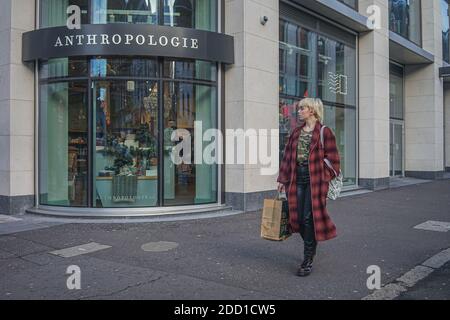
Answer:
(275, 220)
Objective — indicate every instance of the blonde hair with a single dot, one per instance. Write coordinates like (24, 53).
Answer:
(315, 105)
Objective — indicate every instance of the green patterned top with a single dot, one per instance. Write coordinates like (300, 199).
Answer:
(304, 142)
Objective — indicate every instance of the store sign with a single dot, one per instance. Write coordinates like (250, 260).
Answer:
(127, 40)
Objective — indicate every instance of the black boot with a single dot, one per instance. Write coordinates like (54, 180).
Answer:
(306, 267)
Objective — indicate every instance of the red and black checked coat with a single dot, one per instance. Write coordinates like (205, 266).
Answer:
(320, 175)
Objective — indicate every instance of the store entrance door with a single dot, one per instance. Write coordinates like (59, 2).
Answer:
(396, 167)
(125, 160)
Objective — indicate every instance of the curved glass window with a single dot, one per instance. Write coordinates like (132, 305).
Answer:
(63, 144)
(405, 19)
(124, 67)
(185, 106)
(125, 11)
(63, 67)
(124, 158)
(196, 14)
(190, 70)
(126, 143)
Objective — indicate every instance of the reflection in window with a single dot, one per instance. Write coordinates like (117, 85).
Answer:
(319, 66)
(405, 19)
(124, 66)
(298, 52)
(179, 13)
(350, 3)
(189, 69)
(125, 11)
(126, 165)
(198, 14)
(126, 154)
(63, 67)
(63, 141)
(396, 93)
(186, 182)
(343, 123)
(445, 30)
(53, 13)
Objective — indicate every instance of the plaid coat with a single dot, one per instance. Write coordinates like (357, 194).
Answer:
(320, 175)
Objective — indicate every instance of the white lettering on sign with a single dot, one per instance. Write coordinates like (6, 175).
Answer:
(105, 39)
(58, 42)
(126, 39)
(194, 44)
(163, 41)
(92, 39)
(80, 38)
(140, 39)
(117, 39)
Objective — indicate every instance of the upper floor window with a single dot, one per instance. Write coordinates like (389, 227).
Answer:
(405, 19)
(350, 3)
(195, 14)
(445, 31)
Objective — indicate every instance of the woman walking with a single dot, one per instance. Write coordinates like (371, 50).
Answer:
(305, 178)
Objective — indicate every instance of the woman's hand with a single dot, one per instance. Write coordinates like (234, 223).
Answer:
(281, 188)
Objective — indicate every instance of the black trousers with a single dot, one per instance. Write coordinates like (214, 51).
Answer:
(305, 215)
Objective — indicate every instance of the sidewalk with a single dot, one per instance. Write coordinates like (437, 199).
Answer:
(225, 258)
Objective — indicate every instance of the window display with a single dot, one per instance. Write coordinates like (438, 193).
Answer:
(126, 103)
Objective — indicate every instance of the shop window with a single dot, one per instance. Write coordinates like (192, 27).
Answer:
(323, 66)
(125, 11)
(53, 13)
(405, 19)
(126, 143)
(123, 67)
(63, 67)
(124, 108)
(190, 70)
(63, 144)
(187, 182)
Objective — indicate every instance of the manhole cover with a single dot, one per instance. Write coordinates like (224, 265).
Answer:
(161, 246)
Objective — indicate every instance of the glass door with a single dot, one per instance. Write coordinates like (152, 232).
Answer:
(125, 160)
(396, 149)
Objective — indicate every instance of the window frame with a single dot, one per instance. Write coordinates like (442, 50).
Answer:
(420, 43)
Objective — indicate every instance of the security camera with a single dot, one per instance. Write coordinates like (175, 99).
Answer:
(264, 20)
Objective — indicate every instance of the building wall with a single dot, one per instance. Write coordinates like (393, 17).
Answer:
(424, 103)
(374, 101)
(252, 95)
(16, 109)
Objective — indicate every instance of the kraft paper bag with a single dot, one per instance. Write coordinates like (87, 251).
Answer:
(275, 220)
